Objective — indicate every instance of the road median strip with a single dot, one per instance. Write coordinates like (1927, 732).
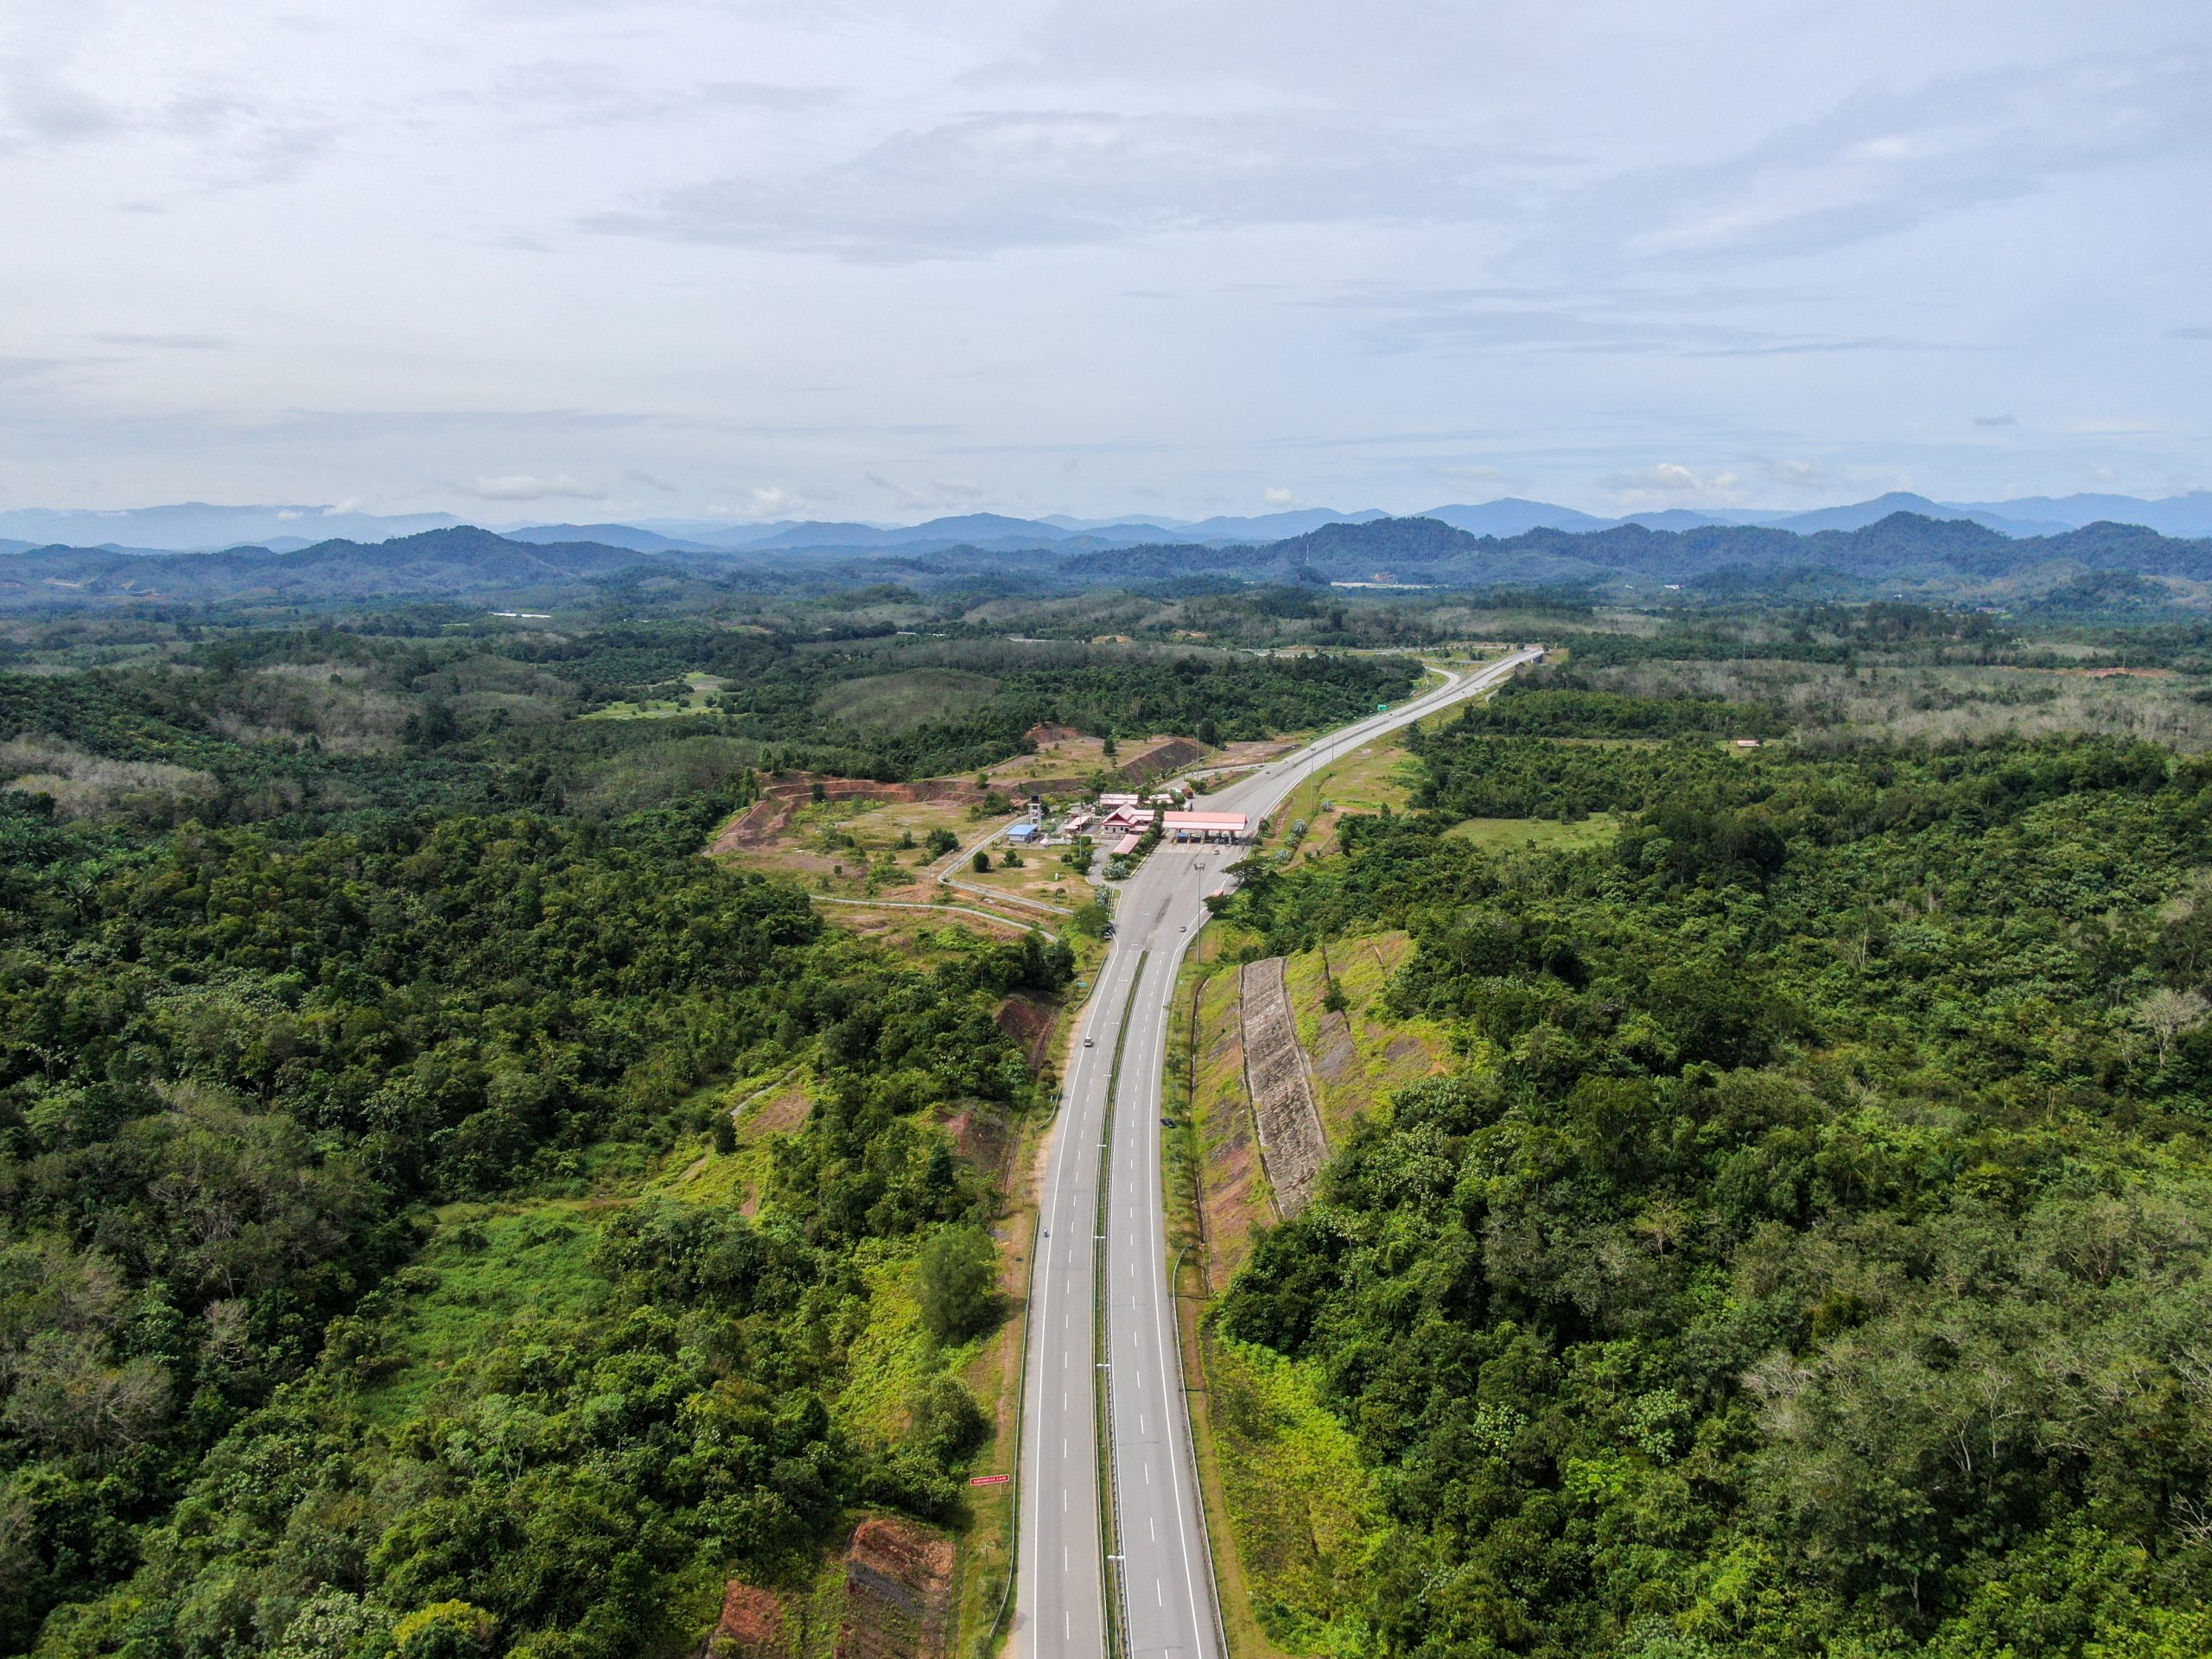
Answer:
(1110, 1527)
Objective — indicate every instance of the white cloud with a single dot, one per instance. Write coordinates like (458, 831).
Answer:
(1670, 482)
(30, 368)
(1277, 496)
(1568, 318)
(1664, 479)
(1800, 475)
(768, 502)
(529, 486)
(1882, 159)
(985, 183)
(167, 342)
(907, 260)
(191, 120)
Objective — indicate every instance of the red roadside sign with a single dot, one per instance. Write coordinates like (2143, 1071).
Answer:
(989, 1480)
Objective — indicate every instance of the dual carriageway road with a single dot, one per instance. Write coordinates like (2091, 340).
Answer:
(1113, 1556)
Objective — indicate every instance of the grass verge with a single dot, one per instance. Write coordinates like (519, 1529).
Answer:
(1187, 1238)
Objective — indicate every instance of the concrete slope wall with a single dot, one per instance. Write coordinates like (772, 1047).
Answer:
(1291, 1143)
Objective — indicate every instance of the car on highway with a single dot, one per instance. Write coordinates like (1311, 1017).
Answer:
(1091, 1042)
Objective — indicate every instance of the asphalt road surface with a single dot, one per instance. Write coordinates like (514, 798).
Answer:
(1102, 1272)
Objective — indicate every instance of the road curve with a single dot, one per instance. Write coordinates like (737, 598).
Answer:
(1101, 1272)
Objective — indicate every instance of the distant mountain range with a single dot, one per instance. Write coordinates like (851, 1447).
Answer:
(198, 527)
(1902, 554)
(194, 525)
(461, 562)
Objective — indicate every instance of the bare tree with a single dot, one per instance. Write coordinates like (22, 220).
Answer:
(2166, 1013)
(66, 1398)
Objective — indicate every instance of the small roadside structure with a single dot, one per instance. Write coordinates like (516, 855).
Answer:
(1026, 834)
(1124, 847)
(1231, 827)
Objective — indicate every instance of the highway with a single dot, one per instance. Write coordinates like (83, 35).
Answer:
(1101, 1310)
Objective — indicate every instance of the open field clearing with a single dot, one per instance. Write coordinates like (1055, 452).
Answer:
(1306, 1518)
(876, 846)
(697, 699)
(868, 840)
(1540, 834)
(1042, 876)
(1067, 764)
(1366, 780)
(1369, 780)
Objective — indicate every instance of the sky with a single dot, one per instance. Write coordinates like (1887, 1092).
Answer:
(564, 259)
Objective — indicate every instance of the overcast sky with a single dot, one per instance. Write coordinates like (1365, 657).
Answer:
(578, 259)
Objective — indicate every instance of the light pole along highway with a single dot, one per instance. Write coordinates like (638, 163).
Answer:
(1113, 1558)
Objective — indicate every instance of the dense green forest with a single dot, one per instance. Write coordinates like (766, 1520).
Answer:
(236, 1069)
(238, 724)
(352, 989)
(1809, 1255)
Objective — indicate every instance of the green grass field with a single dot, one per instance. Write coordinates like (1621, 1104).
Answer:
(1360, 1059)
(486, 1271)
(1514, 835)
(695, 701)
(1306, 1516)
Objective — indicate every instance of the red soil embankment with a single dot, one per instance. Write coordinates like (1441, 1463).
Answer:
(751, 1626)
(769, 815)
(1028, 1024)
(898, 1592)
(1160, 760)
(983, 1140)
